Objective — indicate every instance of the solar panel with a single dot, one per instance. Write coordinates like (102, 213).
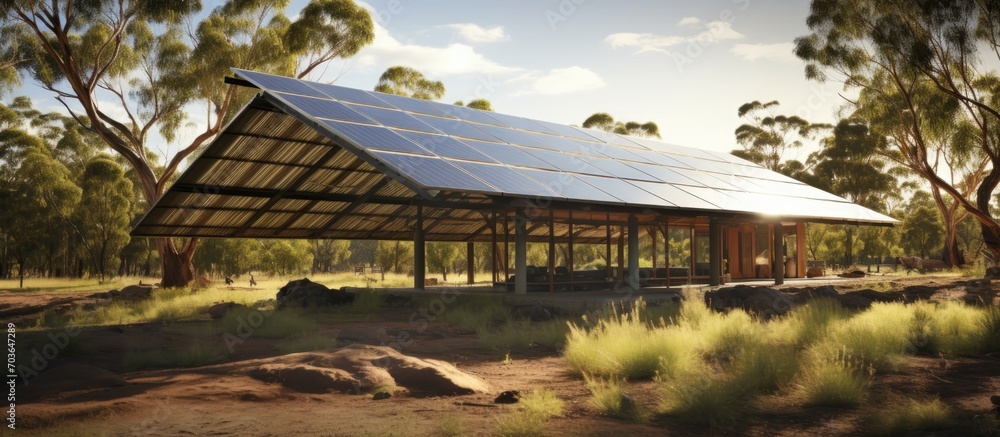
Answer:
(566, 131)
(519, 137)
(621, 169)
(568, 186)
(566, 162)
(625, 191)
(456, 128)
(445, 146)
(507, 180)
(279, 83)
(375, 137)
(394, 118)
(508, 154)
(706, 179)
(433, 172)
(468, 114)
(675, 195)
(352, 95)
(521, 123)
(412, 105)
(323, 108)
(616, 152)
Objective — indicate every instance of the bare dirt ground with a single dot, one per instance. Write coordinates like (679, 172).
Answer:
(209, 401)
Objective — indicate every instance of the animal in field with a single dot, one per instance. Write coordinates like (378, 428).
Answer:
(229, 280)
(253, 282)
(911, 263)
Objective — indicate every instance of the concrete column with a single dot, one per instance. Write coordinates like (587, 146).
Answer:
(714, 253)
(633, 252)
(779, 255)
(470, 262)
(520, 252)
(419, 265)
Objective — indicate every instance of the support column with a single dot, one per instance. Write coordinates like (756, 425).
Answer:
(800, 249)
(633, 252)
(419, 265)
(607, 250)
(520, 252)
(470, 262)
(779, 255)
(552, 251)
(652, 238)
(620, 277)
(714, 253)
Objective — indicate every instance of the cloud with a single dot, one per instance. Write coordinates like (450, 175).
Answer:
(472, 32)
(562, 81)
(688, 21)
(782, 52)
(452, 59)
(712, 32)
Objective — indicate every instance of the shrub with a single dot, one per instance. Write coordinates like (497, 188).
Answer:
(608, 397)
(624, 346)
(910, 415)
(533, 411)
(701, 398)
(877, 337)
(764, 367)
(811, 322)
(834, 381)
(958, 329)
(727, 335)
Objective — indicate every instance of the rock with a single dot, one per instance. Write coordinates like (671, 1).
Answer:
(359, 368)
(807, 294)
(535, 313)
(815, 272)
(508, 397)
(132, 293)
(382, 395)
(305, 293)
(762, 301)
(219, 310)
(627, 404)
(863, 299)
(852, 274)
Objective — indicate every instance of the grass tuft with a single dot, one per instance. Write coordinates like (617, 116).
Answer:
(523, 334)
(834, 381)
(609, 397)
(533, 411)
(701, 398)
(908, 416)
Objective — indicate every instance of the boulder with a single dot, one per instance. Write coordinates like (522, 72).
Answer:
(815, 272)
(359, 368)
(807, 294)
(852, 274)
(762, 301)
(220, 309)
(305, 293)
(863, 299)
(508, 397)
(132, 293)
(382, 395)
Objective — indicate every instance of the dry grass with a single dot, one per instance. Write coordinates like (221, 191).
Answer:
(532, 413)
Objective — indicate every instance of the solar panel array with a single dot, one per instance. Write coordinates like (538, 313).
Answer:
(446, 147)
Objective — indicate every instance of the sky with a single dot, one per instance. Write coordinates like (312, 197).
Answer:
(685, 65)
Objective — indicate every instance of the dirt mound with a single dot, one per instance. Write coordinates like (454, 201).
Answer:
(359, 368)
(69, 378)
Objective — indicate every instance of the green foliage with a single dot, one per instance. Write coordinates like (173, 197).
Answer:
(283, 257)
(607, 396)
(533, 411)
(607, 123)
(441, 257)
(105, 220)
(907, 416)
(878, 337)
(700, 398)
(523, 334)
(405, 81)
(767, 136)
(480, 104)
(834, 381)
(922, 232)
(228, 256)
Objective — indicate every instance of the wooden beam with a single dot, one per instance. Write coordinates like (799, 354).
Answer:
(349, 209)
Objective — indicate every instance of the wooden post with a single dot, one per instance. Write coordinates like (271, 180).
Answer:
(652, 245)
(800, 249)
(691, 259)
(506, 249)
(607, 248)
(569, 250)
(714, 252)
(552, 251)
(419, 263)
(520, 252)
(633, 252)
(666, 252)
(470, 262)
(779, 255)
(620, 277)
(494, 249)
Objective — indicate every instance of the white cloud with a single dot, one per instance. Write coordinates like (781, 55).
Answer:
(712, 32)
(783, 52)
(687, 21)
(472, 32)
(562, 81)
(452, 59)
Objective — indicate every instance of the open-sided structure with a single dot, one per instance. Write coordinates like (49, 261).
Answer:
(314, 160)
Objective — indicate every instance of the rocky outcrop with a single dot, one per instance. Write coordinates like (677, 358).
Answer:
(305, 293)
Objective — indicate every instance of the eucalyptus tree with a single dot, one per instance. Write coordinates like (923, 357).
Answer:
(892, 52)
(480, 104)
(105, 215)
(408, 82)
(128, 69)
(766, 136)
(607, 123)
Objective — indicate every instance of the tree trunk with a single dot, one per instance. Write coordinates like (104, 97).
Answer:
(178, 270)
(849, 247)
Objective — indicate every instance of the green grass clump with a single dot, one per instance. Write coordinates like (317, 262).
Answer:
(958, 329)
(701, 398)
(907, 416)
(274, 324)
(607, 397)
(306, 343)
(452, 427)
(533, 411)
(727, 335)
(197, 354)
(878, 337)
(809, 323)
(991, 329)
(764, 367)
(833, 381)
(623, 345)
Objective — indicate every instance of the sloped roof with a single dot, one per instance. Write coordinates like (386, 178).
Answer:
(314, 160)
